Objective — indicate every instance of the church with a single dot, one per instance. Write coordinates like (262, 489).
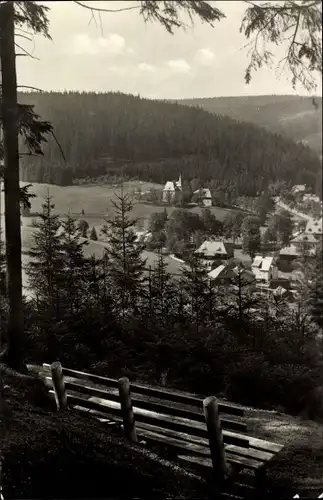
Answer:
(170, 188)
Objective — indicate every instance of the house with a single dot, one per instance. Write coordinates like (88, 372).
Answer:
(213, 251)
(229, 274)
(143, 237)
(205, 196)
(282, 293)
(314, 227)
(299, 188)
(221, 274)
(264, 269)
(305, 240)
(292, 252)
(308, 197)
(170, 189)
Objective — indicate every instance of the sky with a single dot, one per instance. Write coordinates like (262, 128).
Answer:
(120, 52)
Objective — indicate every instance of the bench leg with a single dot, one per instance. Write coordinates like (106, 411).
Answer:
(261, 481)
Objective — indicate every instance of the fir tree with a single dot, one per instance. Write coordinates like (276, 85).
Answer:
(315, 284)
(93, 235)
(251, 239)
(46, 267)
(195, 283)
(83, 227)
(127, 264)
(163, 293)
(75, 265)
(242, 296)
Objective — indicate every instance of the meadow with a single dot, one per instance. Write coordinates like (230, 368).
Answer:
(96, 200)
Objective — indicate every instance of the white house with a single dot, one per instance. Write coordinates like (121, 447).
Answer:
(213, 251)
(314, 227)
(264, 269)
(305, 239)
(291, 252)
(299, 188)
(229, 274)
(143, 236)
(205, 196)
(170, 189)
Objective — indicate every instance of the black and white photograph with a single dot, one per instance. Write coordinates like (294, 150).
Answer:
(161, 258)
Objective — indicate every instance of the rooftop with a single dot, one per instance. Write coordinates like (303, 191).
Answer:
(314, 226)
(212, 248)
(263, 263)
(206, 193)
(304, 237)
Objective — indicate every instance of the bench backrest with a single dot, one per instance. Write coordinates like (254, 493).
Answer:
(180, 412)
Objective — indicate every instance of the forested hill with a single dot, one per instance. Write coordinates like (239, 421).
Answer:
(293, 116)
(155, 141)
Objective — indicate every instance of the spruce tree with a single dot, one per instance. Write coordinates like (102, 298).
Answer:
(195, 284)
(93, 235)
(45, 270)
(251, 239)
(315, 285)
(126, 262)
(83, 227)
(75, 265)
(242, 293)
(163, 293)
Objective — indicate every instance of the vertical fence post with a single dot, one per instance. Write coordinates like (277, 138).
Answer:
(126, 410)
(214, 429)
(59, 385)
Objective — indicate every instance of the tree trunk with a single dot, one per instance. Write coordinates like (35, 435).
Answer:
(14, 353)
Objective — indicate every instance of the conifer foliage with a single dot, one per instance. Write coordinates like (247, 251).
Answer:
(124, 254)
(46, 267)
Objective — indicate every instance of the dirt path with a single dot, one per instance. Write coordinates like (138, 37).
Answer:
(299, 466)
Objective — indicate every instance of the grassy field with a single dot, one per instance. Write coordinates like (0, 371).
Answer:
(95, 200)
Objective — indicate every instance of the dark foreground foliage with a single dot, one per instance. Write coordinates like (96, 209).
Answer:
(112, 317)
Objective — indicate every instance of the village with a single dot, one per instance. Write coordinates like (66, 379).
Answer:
(274, 271)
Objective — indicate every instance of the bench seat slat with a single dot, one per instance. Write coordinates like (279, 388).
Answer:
(201, 448)
(146, 416)
(247, 452)
(263, 445)
(250, 452)
(176, 423)
(166, 435)
(206, 463)
(179, 444)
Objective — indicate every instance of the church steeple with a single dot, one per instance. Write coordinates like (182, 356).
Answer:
(179, 182)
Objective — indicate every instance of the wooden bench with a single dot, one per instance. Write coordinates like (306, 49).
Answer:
(173, 421)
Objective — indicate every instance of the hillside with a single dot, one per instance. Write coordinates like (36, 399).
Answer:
(155, 141)
(293, 116)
